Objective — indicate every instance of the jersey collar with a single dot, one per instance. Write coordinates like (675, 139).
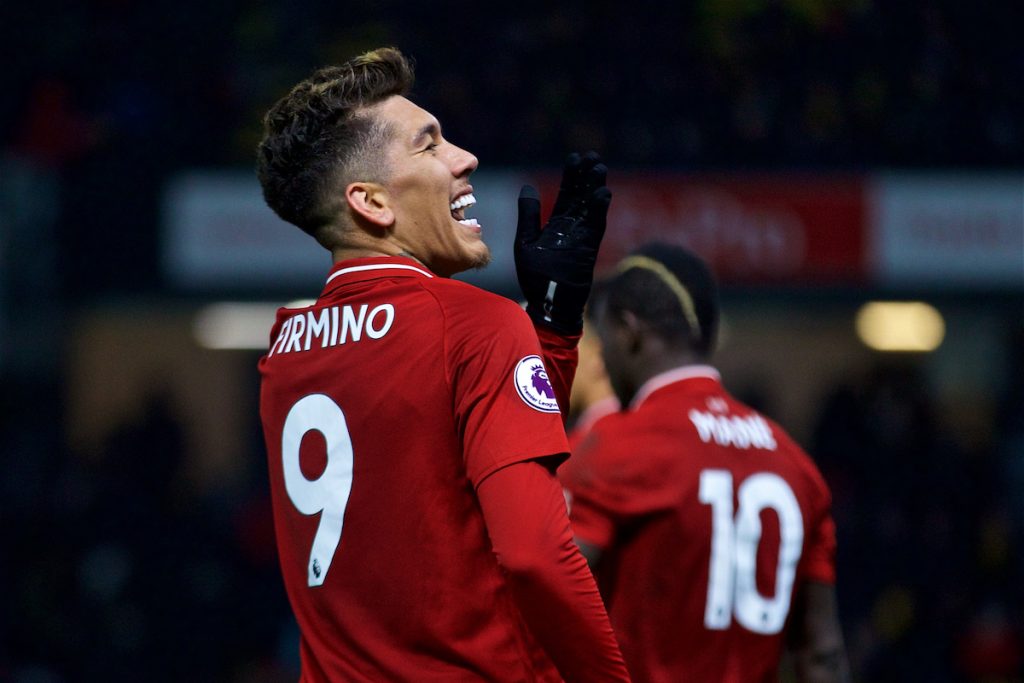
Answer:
(368, 268)
(672, 376)
(595, 411)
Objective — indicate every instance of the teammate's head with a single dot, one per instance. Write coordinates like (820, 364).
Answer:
(659, 310)
(349, 159)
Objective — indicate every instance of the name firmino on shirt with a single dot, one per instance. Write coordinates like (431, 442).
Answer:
(742, 432)
(332, 326)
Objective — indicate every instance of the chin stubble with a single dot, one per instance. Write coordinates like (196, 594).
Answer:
(482, 261)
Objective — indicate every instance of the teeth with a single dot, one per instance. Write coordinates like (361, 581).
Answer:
(462, 202)
(471, 222)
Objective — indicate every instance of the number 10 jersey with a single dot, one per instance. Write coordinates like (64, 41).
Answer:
(709, 518)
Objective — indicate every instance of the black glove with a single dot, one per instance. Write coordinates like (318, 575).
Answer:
(555, 266)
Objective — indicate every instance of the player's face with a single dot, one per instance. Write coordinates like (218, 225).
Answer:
(428, 184)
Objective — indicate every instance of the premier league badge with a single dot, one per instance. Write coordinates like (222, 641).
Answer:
(533, 386)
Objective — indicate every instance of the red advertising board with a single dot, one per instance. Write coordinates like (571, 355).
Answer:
(789, 229)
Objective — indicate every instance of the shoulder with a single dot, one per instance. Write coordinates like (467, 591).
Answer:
(455, 292)
(800, 460)
(615, 424)
(615, 439)
(465, 304)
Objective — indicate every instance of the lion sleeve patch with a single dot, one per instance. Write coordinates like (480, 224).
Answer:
(533, 385)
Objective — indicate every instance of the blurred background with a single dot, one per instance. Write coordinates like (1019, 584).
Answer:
(853, 169)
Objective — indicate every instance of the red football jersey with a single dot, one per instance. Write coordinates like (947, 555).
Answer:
(383, 406)
(710, 518)
(588, 418)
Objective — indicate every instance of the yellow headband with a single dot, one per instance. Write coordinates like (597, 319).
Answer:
(673, 283)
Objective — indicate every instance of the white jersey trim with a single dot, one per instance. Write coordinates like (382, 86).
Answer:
(671, 377)
(389, 266)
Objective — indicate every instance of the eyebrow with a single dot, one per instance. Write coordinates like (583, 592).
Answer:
(430, 130)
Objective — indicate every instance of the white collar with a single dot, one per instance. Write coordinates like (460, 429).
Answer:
(672, 376)
(377, 266)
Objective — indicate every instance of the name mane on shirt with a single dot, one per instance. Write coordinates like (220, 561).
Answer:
(742, 432)
(332, 326)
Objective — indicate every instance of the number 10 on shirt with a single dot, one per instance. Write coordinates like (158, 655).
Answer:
(732, 575)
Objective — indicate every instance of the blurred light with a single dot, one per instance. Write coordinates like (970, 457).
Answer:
(236, 325)
(900, 326)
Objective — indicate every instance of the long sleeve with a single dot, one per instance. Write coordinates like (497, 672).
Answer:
(524, 511)
(560, 355)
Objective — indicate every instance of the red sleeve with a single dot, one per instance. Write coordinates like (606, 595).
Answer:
(589, 523)
(561, 355)
(818, 562)
(616, 476)
(820, 555)
(505, 408)
(525, 515)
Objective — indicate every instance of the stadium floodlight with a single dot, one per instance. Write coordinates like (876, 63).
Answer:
(900, 326)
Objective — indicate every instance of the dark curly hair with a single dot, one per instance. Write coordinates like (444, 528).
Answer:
(316, 138)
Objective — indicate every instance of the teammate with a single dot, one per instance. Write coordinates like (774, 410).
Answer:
(410, 425)
(591, 397)
(709, 529)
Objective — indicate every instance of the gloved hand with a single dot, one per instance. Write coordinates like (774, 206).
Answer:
(555, 265)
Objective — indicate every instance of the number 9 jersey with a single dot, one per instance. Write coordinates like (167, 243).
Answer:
(383, 406)
(709, 518)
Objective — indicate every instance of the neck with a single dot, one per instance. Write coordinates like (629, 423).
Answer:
(688, 371)
(655, 364)
(357, 243)
(345, 253)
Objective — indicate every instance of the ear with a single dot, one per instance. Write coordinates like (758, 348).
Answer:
(632, 333)
(371, 202)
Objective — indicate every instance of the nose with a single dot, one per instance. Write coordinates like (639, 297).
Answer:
(463, 162)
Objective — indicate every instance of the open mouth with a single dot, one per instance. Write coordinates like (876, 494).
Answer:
(458, 209)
